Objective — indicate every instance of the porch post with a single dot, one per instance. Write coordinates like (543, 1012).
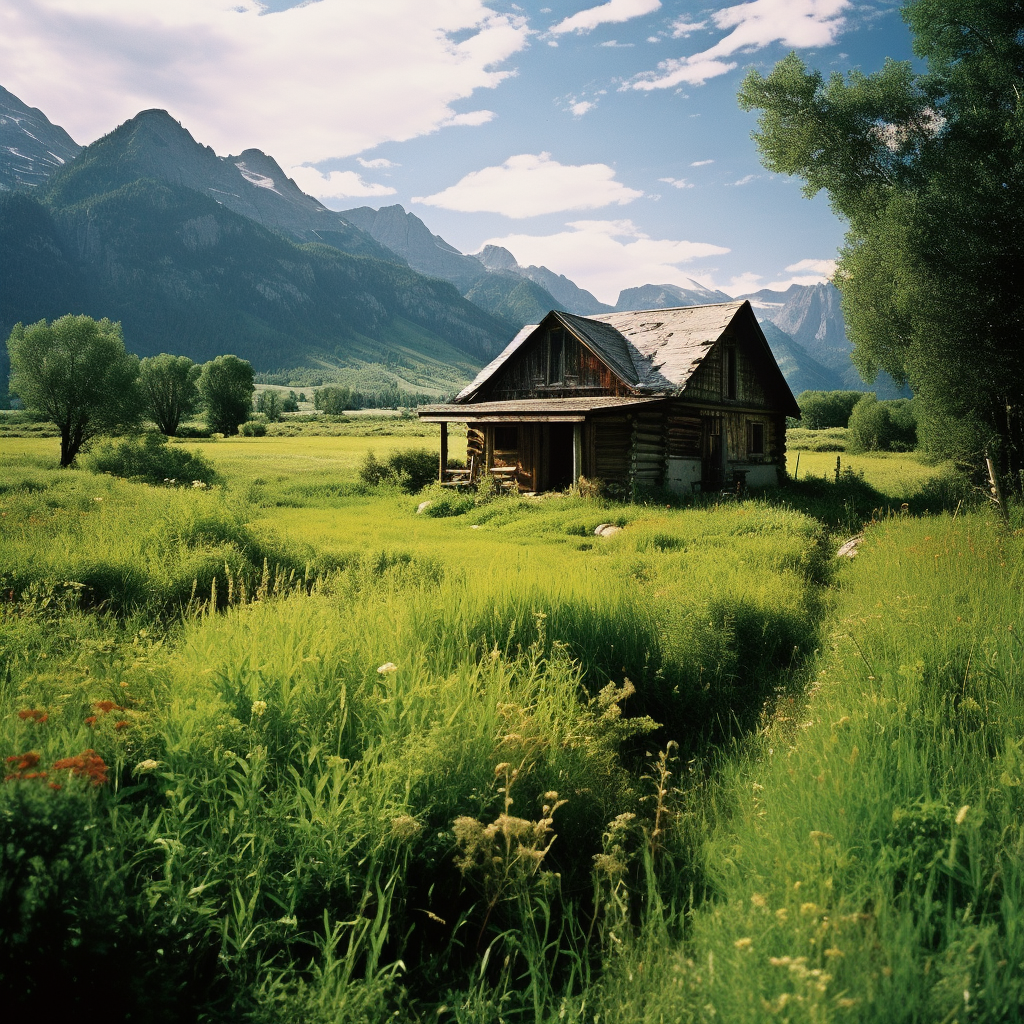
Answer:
(443, 460)
(577, 452)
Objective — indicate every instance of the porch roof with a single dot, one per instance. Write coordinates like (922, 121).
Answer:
(530, 410)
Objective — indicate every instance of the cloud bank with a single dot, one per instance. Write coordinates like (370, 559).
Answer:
(605, 256)
(321, 80)
(336, 184)
(529, 185)
(755, 25)
(613, 12)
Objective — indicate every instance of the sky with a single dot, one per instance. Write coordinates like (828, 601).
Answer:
(602, 140)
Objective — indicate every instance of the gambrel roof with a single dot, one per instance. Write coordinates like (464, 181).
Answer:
(653, 351)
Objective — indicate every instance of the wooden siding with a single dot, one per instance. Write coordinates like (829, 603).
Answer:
(709, 384)
(647, 458)
(612, 443)
(525, 375)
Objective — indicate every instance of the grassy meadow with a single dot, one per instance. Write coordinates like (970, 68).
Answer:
(286, 749)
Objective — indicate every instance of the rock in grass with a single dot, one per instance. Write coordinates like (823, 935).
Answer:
(849, 549)
(607, 530)
(423, 505)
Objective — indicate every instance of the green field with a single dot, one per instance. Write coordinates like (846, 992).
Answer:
(321, 757)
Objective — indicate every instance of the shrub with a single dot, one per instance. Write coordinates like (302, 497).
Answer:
(152, 460)
(411, 470)
(820, 409)
(882, 426)
(254, 428)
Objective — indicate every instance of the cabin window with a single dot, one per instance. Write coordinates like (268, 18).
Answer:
(556, 356)
(506, 439)
(730, 373)
(755, 439)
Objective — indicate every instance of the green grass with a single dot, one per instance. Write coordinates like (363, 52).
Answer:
(287, 832)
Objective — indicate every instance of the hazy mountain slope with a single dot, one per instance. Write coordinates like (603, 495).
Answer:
(665, 296)
(801, 370)
(153, 145)
(405, 234)
(517, 300)
(31, 148)
(567, 295)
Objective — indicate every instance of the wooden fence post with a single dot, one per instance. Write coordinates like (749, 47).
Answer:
(996, 489)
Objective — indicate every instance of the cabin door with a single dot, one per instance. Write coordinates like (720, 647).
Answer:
(559, 456)
(711, 463)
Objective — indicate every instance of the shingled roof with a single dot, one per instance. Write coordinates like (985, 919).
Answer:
(654, 351)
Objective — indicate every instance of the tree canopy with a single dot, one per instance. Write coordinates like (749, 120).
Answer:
(225, 386)
(168, 387)
(927, 170)
(76, 371)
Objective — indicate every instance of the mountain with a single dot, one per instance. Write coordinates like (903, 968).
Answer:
(185, 273)
(31, 148)
(801, 370)
(812, 316)
(666, 296)
(567, 295)
(516, 300)
(405, 234)
(153, 145)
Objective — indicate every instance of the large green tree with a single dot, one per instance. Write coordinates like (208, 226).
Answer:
(927, 170)
(77, 372)
(225, 387)
(168, 387)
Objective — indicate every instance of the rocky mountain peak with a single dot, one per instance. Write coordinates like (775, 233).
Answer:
(31, 147)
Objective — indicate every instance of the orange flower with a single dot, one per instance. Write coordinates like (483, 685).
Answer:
(90, 721)
(87, 765)
(121, 725)
(106, 706)
(22, 765)
(33, 713)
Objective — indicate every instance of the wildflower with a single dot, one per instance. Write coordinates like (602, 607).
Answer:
(387, 668)
(34, 714)
(758, 900)
(148, 765)
(961, 815)
(405, 827)
(87, 765)
(808, 908)
(90, 721)
(259, 708)
(119, 726)
(104, 707)
(743, 943)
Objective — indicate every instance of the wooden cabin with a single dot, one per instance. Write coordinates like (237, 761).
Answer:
(687, 398)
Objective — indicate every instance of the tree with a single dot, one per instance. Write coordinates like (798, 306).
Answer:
(269, 403)
(225, 387)
(76, 371)
(820, 409)
(168, 387)
(928, 171)
(333, 401)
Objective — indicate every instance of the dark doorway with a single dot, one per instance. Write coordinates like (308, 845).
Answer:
(559, 456)
(711, 469)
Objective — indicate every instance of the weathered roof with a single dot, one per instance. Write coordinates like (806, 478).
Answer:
(564, 409)
(667, 345)
(607, 342)
(496, 363)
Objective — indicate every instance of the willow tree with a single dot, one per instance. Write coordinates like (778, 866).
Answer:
(76, 371)
(927, 170)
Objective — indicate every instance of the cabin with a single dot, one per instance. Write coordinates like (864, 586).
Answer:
(689, 399)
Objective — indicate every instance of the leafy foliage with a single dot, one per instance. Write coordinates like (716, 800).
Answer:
(411, 469)
(882, 426)
(823, 409)
(152, 460)
(225, 387)
(76, 371)
(927, 169)
(169, 392)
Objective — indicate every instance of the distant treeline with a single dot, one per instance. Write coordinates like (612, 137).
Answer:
(873, 425)
(335, 399)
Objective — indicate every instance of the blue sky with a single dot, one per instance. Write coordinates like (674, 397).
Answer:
(600, 139)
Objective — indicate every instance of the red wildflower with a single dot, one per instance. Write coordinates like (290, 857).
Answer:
(22, 765)
(56, 785)
(121, 725)
(106, 706)
(90, 721)
(87, 765)
(35, 714)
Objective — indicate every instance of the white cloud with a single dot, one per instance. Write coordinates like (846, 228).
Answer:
(755, 25)
(605, 256)
(743, 283)
(681, 28)
(315, 81)
(471, 119)
(612, 12)
(528, 185)
(336, 184)
(676, 182)
(745, 180)
(826, 267)
(696, 163)
(579, 109)
(378, 163)
(615, 44)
